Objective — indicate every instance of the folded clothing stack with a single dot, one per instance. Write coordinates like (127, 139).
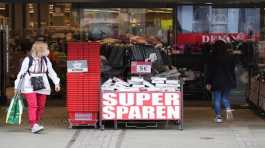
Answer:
(114, 84)
(171, 74)
(138, 84)
(165, 84)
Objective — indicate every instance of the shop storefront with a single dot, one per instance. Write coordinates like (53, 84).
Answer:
(200, 26)
(145, 49)
(181, 53)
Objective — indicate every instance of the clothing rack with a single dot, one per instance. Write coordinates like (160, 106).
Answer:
(119, 56)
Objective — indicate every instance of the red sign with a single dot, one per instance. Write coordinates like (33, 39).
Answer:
(141, 67)
(141, 105)
(195, 38)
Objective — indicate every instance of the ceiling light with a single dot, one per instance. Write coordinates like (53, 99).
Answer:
(102, 10)
(51, 6)
(158, 11)
(30, 5)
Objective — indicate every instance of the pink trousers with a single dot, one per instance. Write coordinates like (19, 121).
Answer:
(36, 105)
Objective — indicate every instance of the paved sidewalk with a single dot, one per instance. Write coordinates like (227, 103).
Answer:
(22, 138)
(246, 131)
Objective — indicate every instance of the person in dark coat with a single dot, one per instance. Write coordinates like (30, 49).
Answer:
(220, 78)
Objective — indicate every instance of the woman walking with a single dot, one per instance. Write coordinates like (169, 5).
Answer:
(35, 68)
(220, 79)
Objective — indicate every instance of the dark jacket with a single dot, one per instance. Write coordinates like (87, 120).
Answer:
(221, 72)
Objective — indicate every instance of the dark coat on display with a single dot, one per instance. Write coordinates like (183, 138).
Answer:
(221, 69)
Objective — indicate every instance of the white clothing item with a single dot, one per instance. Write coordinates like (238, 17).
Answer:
(35, 70)
(152, 57)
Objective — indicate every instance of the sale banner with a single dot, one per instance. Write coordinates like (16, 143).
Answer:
(141, 106)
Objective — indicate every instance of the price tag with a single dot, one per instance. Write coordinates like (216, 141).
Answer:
(141, 67)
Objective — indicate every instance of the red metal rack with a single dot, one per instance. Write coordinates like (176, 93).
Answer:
(83, 89)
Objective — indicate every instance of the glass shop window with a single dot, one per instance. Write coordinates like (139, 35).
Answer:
(96, 24)
(199, 25)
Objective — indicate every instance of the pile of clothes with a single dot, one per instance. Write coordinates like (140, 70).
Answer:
(170, 74)
(261, 76)
(116, 59)
(133, 39)
(136, 84)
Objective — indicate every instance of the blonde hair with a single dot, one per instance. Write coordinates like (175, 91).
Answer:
(39, 49)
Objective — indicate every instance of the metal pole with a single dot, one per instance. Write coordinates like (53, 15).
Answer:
(12, 16)
(262, 23)
(39, 18)
(175, 31)
(24, 19)
(7, 48)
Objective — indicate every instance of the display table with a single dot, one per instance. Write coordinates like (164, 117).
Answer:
(262, 96)
(257, 94)
(141, 106)
(254, 91)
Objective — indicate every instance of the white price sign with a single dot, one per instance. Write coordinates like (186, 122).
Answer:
(77, 66)
(143, 68)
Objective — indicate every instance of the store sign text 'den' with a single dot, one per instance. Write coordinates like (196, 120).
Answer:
(225, 37)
